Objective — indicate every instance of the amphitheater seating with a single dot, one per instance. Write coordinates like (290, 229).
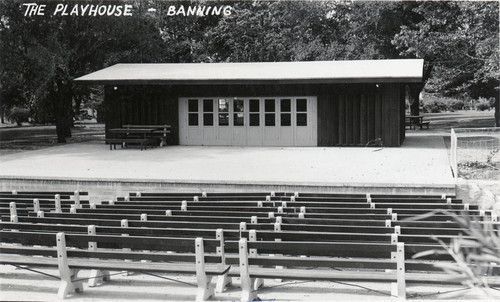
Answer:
(351, 237)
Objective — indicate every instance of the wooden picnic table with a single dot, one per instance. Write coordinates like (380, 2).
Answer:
(416, 120)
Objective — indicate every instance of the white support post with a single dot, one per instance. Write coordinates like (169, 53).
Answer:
(222, 280)
(57, 201)
(270, 215)
(14, 219)
(279, 219)
(126, 198)
(301, 215)
(280, 210)
(72, 210)
(400, 289)
(138, 194)
(260, 204)
(205, 288)
(93, 206)
(95, 276)
(394, 238)
(256, 282)
(273, 193)
(111, 202)
(466, 207)
(40, 214)
(196, 199)
(254, 220)
(296, 194)
(268, 197)
(36, 205)
(368, 195)
(277, 227)
(12, 209)
(243, 226)
(203, 194)
(397, 230)
(387, 223)
(303, 210)
(448, 200)
(443, 196)
(284, 204)
(369, 200)
(76, 199)
(389, 211)
(372, 205)
(247, 292)
(394, 216)
(168, 213)
(184, 205)
(144, 217)
(66, 274)
(124, 225)
(494, 217)
(292, 198)
(14, 192)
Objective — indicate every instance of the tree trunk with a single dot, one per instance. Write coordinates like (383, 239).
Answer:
(64, 116)
(414, 96)
(497, 112)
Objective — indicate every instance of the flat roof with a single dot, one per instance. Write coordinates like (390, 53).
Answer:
(359, 71)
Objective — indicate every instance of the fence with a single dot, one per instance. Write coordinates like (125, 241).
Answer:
(474, 146)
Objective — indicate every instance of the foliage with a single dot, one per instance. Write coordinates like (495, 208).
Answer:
(18, 115)
(473, 256)
(482, 104)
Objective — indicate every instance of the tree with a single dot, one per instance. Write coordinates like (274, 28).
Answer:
(41, 55)
(459, 42)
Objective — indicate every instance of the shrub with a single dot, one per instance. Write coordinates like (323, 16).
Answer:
(435, 107)
(18, 115)
(456, 104)
(482, 104)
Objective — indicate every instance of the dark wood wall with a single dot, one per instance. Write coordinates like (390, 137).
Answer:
(348, 114)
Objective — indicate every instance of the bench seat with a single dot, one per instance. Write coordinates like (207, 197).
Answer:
(143, 142)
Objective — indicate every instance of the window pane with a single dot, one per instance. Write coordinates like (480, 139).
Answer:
(254, 119)
(269, 105)
(286, 105)
(286, 119)
(254, 106)
(301, 104)
(269, 119)
(193, 119)
(208, 119)
(193, 106)
(223, 119)
(238, 106)
(238, 119)
(301, 119)
(208, 106)
(223, 105)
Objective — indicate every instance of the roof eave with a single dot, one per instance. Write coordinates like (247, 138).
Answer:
(246, 81)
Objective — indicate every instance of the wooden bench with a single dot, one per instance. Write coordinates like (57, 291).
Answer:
(124, 142)
(159, 131)
(164, 255)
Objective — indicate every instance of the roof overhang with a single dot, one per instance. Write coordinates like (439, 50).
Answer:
(310, 72)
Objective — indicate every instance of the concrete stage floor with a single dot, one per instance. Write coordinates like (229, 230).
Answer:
(422, 162)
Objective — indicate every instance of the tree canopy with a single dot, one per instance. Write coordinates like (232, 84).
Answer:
(41, 55)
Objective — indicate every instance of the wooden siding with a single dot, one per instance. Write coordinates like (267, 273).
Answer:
(348, 114)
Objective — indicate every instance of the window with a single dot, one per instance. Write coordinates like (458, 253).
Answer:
(254, 112)
(286, 115)
(223, 106)
(238, 114)
(301, 112)
(193, 112)
(270, 116)
(208, 112)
